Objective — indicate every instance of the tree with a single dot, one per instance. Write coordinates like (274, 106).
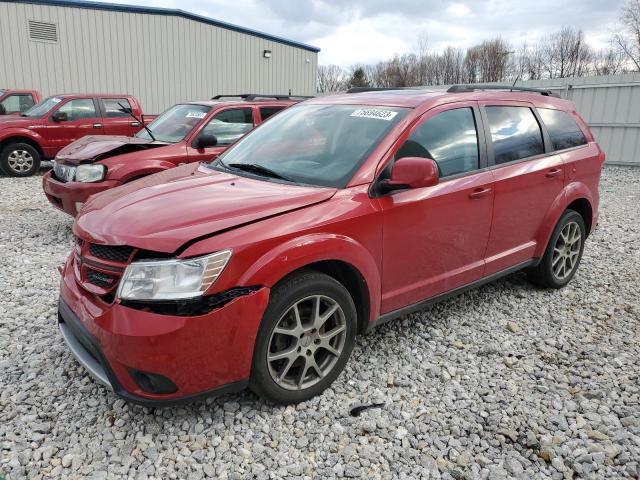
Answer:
(628, 40)
(358, 78)
(331, 78)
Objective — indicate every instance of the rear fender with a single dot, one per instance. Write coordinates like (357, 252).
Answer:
(570, 193)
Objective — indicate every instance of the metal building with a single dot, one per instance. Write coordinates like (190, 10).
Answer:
(162, 56)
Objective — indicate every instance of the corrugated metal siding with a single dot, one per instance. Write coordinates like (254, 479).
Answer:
(161, 59)
(610, 104)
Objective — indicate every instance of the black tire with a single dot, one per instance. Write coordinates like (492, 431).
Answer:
(543, 274)
(300, 287)
(19, 160)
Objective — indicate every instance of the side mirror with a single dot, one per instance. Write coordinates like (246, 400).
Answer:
(60, 117)
(412, 172)
(204, 141)
(3, 110)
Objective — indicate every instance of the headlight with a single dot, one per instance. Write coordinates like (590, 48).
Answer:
(172, 279)
(89, 173)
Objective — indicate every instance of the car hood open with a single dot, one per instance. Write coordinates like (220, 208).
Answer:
(164, 211)
(97, 147)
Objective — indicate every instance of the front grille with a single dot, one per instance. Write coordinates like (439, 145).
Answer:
(100, 279)
(114, 254)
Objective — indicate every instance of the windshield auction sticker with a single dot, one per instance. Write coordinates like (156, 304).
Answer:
(374, 113)
(193, 114)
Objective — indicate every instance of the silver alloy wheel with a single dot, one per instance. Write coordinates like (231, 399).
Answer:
(566, 251)
(307, 342)
(20, 161)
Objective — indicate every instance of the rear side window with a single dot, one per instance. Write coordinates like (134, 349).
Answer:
(563, 130)
(515, 133)
(113, 107)
(17, 103)
(79, 109)
(266, 112)
(229, 125)
(450, 138)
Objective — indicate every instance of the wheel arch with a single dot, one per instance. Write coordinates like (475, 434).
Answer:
(22, 139)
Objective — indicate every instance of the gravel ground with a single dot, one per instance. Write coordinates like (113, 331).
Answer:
(506, 381)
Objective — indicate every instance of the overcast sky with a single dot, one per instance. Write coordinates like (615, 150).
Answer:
(366, 31)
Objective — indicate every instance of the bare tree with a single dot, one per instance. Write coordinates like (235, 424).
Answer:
(566, 54)
(331, 78)
(628, 40)
(609, 62)
(487, 62)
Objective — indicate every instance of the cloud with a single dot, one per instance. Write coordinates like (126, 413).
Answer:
(370, 30)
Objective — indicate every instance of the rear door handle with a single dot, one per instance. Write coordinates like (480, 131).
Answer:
(554, 172)
(479, 193)
(135, 124)
(97, 125)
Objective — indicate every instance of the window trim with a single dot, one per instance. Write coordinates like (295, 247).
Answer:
(18, 94)
(103, 108)
(57, 108)
(584, 135)
(546, 141)
(195, 133)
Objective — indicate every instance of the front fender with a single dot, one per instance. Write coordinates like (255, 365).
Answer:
(130, 170)
(21, 132)
(302, 251)
(571, 192)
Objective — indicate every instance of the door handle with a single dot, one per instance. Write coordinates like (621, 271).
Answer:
(135, 124)
(554, 172)
(479, 193)
(97, 125)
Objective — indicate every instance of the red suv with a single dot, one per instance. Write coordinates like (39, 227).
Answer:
(186, 133)
(340, 213)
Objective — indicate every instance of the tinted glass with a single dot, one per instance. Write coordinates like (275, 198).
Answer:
(229, 125)
(176, 123)
(79, 109)
(113, 107)
(450, 138)
(17, 103)
(515, 133)
(563, 130)
(266, 112)
(315, 144)
(43, 107)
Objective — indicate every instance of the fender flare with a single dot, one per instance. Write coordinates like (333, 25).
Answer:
(18, 133)
(570, 193)
(300, 252)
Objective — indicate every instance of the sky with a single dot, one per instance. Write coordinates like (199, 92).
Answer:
(366, 31)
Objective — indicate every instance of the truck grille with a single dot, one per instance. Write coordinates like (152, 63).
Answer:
(113, 254)
(99, 267)
(64, 173)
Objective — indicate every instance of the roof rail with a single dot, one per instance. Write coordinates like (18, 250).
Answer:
(257, 96)
(372, 89)
(511, 88)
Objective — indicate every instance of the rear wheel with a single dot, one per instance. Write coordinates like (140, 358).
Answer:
(305, 338)
(19, 160)
(563, 254)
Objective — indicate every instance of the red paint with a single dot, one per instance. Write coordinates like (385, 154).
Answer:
(155, 157)
(407, 245)
(6, 93)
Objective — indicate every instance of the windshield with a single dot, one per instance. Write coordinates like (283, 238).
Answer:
(314, 144)
(175, 124)
(42, 108)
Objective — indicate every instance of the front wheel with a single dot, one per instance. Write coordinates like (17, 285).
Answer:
(305, 338)
(19, 160)
(563, 254)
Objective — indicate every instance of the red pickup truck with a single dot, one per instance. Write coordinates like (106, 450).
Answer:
(14, 101)
(185, 133)
(43, 130)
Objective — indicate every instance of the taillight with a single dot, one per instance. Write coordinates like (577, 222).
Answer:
(602, 157)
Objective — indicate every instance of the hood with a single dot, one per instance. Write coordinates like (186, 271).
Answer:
(162, 212)
(98, 147)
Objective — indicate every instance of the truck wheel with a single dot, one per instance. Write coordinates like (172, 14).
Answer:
(563, 254)
(19, 160)
(305, 338)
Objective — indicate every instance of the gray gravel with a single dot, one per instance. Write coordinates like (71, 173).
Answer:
(507, 381)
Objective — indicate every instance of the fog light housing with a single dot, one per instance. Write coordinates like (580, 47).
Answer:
(153, 382)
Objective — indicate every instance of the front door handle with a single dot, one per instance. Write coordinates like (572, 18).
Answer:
(97, 125)
(554, 172)
(479, 193)
(135, 124)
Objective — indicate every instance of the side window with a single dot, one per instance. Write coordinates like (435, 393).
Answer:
(266, 112)
(229, 125)
(563, 130)
(112, 108)
(515, 133)
(450, 138)
(17, 103)
(79, 109)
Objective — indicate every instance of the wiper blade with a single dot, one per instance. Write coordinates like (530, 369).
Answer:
(259, 169)
(139, 120)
